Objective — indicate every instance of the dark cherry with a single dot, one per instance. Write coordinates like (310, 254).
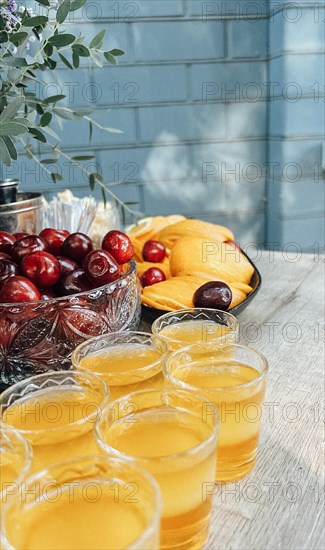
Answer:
(20, 235)
(19, 289)
(27, 245)
(54, 239)
(67, 265)
(4, 256)
(216, 295)
(47, 295)
(101, 267)
(6, 242)
(76, 247)
(7, 269)
(74, 282)
(152, 276)
(153, 251)
(118, 245)
(42, 268)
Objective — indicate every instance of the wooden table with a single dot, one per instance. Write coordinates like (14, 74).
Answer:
(280, 505)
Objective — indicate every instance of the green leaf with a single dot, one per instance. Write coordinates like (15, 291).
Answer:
(11, 147)
(39, 109)
(104, 196)
(11, 110)
(96, 58)
(46, 119)
(3, 37)
(4, 153)
(81, 50)
(38, 21)
(92, 181)
(10, 61)
(116, 53)
(82, 157)
(23, 121)
(48, 49)
(61, 40)
(98, 40)
(12, 129)
(56, 177)
(75, 60)
(54, 99)
(49, 161)
(90, 131)
(110, 58)
(63, 11)
(44, 3)
(37, 134)
(18, 38)
(77, 4)
(82, 111)
(65, 61)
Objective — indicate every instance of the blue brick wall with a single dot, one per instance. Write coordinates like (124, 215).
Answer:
(218, 100)
(295, 185)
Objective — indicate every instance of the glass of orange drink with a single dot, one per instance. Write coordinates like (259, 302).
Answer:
(187, 326)
(56, 412)
(127, 361)
(167, 433)
(90, 503)
(233, 378)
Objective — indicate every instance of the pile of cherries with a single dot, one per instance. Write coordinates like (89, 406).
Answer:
(56, 263)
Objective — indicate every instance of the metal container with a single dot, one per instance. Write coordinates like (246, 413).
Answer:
(8, 191)
(23, 215)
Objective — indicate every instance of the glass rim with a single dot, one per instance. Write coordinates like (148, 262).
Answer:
(37, 377)
(102, 375)
(28, 452)
(59, 299)
(157, 331)
(156, 509)
(166, 458)
(190, 387)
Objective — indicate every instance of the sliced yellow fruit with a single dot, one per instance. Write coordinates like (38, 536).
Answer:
(194, 228)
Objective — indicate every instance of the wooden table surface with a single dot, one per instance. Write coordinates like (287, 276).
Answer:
(280, 505)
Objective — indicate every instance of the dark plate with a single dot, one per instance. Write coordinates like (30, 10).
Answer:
(150, 314)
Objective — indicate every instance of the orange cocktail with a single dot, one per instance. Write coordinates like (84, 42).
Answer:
(92, 503)
(56, 412)
(128, 361)
(233, 378)
(185, 327)
(165, 431)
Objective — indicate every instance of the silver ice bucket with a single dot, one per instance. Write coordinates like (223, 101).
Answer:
(24, 215)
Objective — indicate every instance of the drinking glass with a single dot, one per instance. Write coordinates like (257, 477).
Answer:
(169, 433)
(187, 326)
(127, 361)
(56, 412)
(233, 378)
(91, 503)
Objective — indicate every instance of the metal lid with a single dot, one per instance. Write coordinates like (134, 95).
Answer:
(9, 183)
(24, 203)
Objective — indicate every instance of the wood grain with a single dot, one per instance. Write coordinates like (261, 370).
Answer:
(280, 505)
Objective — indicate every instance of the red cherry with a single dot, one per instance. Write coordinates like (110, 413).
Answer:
(4, 256)
(76, 247)
(7, 269)
(20, 235)
(27, 245)
(42, 269)
(74, 282)
(47, 295)
(6, 242)
(119, 246)
(54, 239)
(101, 267)
(216, 295)
(152, 276)
(19, 289)
(66, 265)
(153, 251)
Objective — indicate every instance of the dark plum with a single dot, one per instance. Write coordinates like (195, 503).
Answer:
(215, 295)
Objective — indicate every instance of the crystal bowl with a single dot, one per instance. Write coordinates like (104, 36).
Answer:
(40, 336)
